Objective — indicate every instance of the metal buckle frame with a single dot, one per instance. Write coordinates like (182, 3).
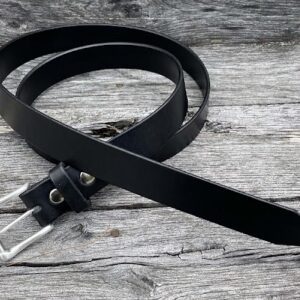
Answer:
(7, 254)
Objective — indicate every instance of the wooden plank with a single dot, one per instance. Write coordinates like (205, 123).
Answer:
(142, 279)
(240, 75)
(142, 254)
(248, 149)
(193, 22)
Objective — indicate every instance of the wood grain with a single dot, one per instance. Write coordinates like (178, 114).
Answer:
(194, 22)
(128, 247)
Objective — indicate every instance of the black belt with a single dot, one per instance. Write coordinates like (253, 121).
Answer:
(131, 160)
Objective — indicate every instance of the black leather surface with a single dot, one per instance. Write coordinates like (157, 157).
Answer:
(132, 159)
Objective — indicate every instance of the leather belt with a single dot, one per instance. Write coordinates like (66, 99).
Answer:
(131, 160)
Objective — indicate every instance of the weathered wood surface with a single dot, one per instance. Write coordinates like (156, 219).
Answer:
(129, 247)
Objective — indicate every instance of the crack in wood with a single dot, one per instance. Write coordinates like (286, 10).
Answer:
(283, 199)
(108, 129)
(134, 206)
(217, 127)
(205, 247)
(78, 262)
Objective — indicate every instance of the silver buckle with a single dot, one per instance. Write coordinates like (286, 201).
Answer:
(7, 254)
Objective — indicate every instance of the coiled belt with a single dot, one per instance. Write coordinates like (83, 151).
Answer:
(132, 159)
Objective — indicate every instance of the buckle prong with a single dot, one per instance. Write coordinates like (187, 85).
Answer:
(19, 219)
(7, 254)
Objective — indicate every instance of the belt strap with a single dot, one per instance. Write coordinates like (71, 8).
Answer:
(131, 160)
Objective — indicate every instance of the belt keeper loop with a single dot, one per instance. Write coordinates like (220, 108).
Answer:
(68, 189)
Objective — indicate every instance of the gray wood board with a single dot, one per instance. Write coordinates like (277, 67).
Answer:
(194, 22)
(129, 247)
